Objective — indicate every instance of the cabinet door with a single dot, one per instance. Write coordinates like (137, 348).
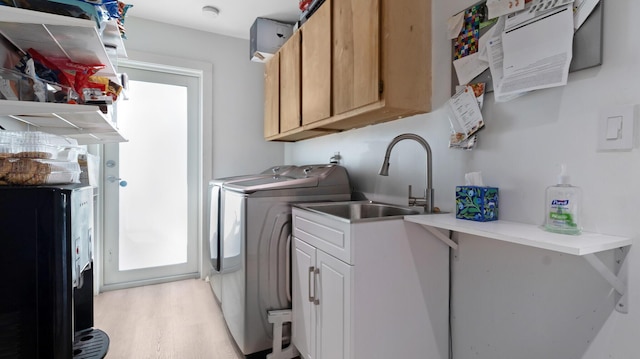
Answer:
(334, 310)
(290, 98)
(316, 66)
(356, 54)
(272, 96)
(304, 315)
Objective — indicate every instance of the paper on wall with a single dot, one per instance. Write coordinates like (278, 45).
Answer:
(465, 115)
(495, 57)
(495, 30)
(544, 5)
(519, 17)
(532, 10)
(581, 11)
(468, 67)
(467, 144)
(468, 141)
(537, 54)
(503, 7)
(466, 43)
(478, 91)
(454, 25)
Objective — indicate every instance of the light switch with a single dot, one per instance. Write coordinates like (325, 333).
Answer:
(616, 128)
(614, 125)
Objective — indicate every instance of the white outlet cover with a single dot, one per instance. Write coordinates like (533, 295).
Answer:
(624, 141)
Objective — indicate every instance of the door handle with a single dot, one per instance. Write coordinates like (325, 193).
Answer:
(288, 268)
(121, 182)
(312, 283)
(311, 271)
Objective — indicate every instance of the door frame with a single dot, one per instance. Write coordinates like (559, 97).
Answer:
(202, 71)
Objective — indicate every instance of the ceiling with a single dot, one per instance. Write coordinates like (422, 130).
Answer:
(235, 18)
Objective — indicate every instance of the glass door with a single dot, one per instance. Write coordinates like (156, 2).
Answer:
(151, 181)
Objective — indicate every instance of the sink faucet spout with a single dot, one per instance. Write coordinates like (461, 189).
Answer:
(427, 200)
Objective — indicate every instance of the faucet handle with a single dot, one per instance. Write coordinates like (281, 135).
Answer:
(412, 200)
(416, 201)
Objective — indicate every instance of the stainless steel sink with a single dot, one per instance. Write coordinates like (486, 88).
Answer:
(360, 211)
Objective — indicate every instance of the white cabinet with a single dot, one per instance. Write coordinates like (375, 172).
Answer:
(367, 290)
(80, 41)
(321, 331)
(304, 310)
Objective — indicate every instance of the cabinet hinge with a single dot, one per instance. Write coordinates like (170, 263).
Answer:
(381, 86)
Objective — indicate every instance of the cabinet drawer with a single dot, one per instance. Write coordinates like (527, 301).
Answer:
(328, 235)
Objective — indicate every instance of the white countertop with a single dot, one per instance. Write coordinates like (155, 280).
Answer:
(525, 234)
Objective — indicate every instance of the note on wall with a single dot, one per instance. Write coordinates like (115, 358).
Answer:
(498, 8)
(586, 48)
(537, 53)
(467, 41)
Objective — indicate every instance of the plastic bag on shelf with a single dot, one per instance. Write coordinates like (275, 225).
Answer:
(38, 145)
(29, 171)
(17, 86)
(51, 7)
(70, 74)
(123, 8)
(109, 89)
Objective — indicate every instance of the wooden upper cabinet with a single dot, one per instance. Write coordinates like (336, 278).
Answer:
(356, 54)
(360, 62)
(316, 65)
(272, 96)
(290, 93)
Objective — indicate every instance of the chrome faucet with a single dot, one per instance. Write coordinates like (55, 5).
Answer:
(427, 200)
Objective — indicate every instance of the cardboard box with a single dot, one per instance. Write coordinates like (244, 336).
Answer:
(266, 37)
(477, 203)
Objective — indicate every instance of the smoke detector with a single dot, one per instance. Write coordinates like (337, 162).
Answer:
(210, 11)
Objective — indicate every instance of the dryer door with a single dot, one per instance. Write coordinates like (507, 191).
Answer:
(274, 259)
(274, 263)
(214, 226)
(233, 231)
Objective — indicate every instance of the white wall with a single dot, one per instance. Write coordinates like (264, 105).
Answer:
(511, 301)
(236, 121)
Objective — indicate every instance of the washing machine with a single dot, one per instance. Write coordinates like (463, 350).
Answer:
(256, 235)
(215, 200)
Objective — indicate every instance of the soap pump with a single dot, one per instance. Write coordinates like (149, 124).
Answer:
(562, 207)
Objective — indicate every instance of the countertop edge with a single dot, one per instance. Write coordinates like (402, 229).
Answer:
(525, 234)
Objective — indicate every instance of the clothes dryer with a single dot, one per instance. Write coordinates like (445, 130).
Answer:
(256, 235)
(215, 200)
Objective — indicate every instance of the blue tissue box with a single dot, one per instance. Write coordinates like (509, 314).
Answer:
(477, 203)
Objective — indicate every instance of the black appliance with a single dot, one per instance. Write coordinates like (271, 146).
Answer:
(46, 306)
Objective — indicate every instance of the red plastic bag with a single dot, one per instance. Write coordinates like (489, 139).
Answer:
(71, 74)
(304, 4)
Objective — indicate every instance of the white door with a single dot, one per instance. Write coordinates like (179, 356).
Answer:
(151, 182)
(334, 309)
(303, 307)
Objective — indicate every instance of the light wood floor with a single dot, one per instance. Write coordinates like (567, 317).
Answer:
(177, 320)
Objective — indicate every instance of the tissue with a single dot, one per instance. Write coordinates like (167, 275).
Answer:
(475, 201)
(473, 179)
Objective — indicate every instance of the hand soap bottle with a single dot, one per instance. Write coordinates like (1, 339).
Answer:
(563, 202)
